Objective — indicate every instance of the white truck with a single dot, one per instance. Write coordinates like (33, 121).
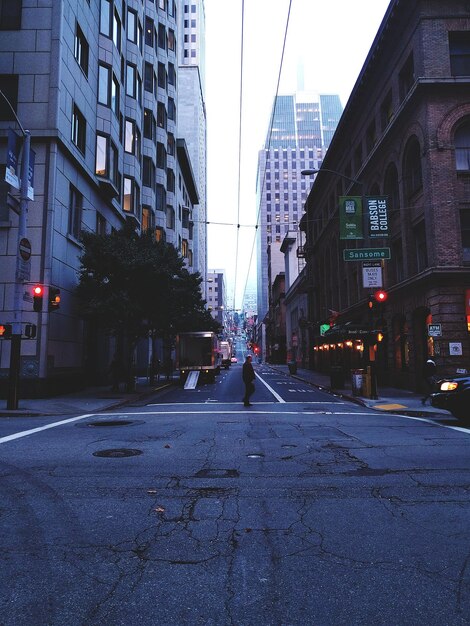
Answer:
(226, 351)
(198, 351)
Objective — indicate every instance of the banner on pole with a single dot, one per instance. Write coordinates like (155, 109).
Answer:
(350, 217)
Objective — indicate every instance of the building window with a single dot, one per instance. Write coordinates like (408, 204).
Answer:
(104, 84)
(171, 144)
(170, 179)
(147, 221)
(171, 74)
(161, 115)
(148, 172)
(150, 127)
(75, 212)
(386, 111)
(162, 36)
(81, 49)
(115, 95)
(406, 77)
(159, 234)
(413, 178)
(161, 156)
(171, 109)
(129, 137)
(131, 73)
(100, 224)
(106, 158)
(128, 195)
(78, 129)
(149, 32)
(465, 234)
(10, 14)
(9, 86)
(148, 77)
(101, 159)
(184, 248)
(162, 75)
(161, 198)
(170, 217)
(459, 49)
(105, 18)
(117, 30)
(462, 148)
(171, 39)
(132, 26)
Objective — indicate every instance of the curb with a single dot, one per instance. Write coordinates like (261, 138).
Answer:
(109, 407)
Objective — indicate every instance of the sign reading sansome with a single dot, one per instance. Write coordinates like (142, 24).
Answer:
(366, 254)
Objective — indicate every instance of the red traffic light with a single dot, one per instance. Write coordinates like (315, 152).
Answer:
(38, 290)
(381, 295)
(38, 293)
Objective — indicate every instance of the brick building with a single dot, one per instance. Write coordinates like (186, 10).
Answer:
(404, 134)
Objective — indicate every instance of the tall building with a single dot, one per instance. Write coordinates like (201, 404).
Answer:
(404, 142)
(192, 117)
(96, 84)
(217, 296)
(300, 131)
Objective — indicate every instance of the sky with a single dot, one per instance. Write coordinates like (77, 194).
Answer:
(329, 39)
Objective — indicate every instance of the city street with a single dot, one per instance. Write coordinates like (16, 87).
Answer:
(188, 508)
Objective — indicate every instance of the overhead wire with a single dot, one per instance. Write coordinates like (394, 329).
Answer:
(268, 147)
(239, 149)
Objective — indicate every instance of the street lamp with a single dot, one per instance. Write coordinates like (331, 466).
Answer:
(324, 169)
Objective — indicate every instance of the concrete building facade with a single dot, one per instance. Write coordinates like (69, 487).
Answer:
(96, 84)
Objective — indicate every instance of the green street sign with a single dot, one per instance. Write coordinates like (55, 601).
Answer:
(366, 254)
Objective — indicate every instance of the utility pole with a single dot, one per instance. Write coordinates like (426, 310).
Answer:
(15, 348)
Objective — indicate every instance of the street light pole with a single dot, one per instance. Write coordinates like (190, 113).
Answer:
(15, 348)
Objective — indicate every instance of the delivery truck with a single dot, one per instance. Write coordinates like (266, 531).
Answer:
(226, 352)
(198, 351)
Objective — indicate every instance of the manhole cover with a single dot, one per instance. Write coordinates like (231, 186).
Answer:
(108, 423)
(102, 423)
(118, 453)
(255, 456)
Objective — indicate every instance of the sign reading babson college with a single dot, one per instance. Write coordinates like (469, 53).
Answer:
(350, 217)
(377, 215)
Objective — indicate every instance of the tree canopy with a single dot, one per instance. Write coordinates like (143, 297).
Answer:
(132, 284)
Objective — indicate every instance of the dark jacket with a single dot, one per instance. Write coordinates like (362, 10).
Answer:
(248, 372)
(429, 369)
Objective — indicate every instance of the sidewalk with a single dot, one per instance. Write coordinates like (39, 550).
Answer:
(89, 400)
(389, 399)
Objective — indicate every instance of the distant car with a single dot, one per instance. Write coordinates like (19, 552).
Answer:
(453, 394)
(234, 359)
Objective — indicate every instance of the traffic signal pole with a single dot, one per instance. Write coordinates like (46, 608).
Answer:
(15, 348)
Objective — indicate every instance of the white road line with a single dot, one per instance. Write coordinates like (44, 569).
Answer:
(25, 433)
(276, 395)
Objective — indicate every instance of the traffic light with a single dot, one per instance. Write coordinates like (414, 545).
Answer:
(381, 296)
(38, 293)
(5, 331)
(54, 298)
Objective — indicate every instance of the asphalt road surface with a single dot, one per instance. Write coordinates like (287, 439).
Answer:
(192, 509)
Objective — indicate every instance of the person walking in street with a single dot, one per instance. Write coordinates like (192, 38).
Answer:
(248, 375)
(429, 375)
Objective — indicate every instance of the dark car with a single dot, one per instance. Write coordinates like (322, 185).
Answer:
(453, 394)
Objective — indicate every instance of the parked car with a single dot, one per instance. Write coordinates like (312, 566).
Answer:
(453, 394)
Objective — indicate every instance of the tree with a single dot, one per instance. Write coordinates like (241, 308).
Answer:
(132, 286)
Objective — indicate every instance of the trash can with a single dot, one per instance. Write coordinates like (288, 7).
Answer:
(357, 381)
(336, 377)
(292, 367)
